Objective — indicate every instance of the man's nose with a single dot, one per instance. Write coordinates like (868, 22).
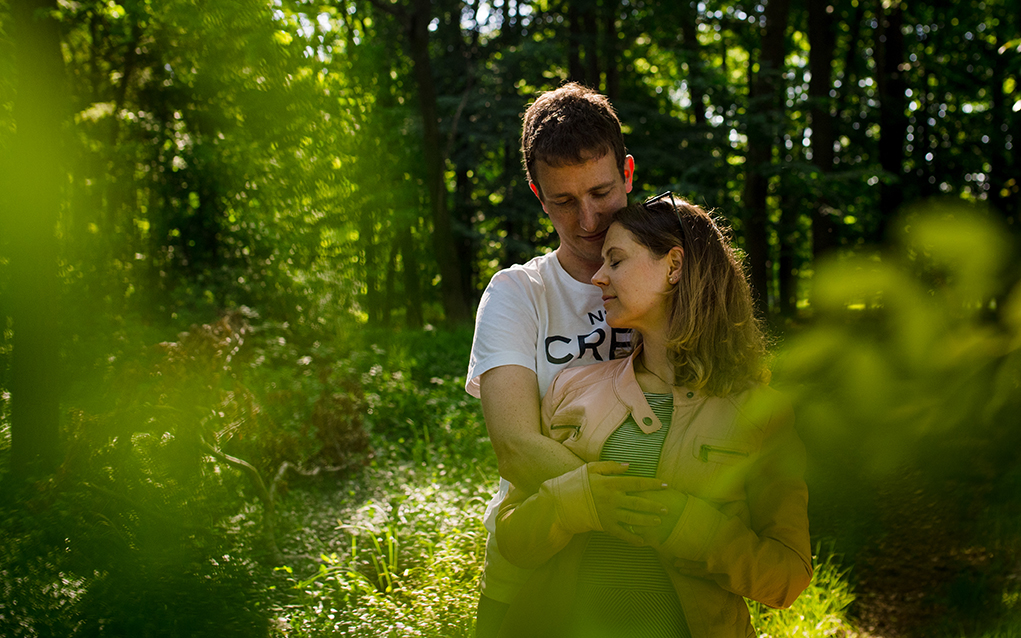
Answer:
(589, 215)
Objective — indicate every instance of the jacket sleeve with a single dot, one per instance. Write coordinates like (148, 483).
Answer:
(767, 559)
(531, 529)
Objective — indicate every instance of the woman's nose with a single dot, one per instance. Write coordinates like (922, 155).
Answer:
(599, 278)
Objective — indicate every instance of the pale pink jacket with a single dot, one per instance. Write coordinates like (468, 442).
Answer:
(743, 531)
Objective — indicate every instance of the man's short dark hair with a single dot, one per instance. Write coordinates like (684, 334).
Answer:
(568, 126)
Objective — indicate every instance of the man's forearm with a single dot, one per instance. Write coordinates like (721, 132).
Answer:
(530, 461)
(510, 404)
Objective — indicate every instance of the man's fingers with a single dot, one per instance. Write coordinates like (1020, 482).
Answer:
(607, 467)
(635, 484)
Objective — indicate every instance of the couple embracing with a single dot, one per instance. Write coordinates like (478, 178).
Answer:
(651, 480)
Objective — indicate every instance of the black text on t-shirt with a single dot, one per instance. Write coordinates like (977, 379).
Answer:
(561, 349)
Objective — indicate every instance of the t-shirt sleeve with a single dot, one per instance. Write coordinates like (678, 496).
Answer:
(506, 326)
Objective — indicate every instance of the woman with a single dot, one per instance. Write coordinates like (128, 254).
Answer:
(689, 406)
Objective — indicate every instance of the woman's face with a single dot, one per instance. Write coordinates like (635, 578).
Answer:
(636, 284)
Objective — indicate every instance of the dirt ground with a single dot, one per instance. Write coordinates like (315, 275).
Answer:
(932, 572)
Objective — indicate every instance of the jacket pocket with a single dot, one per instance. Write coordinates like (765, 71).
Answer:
(565, 428)
(722, 451)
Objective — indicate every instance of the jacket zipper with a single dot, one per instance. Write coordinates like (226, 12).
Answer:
(706, 450)
(576, 428)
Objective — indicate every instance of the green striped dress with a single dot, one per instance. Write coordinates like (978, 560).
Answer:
(623, 590)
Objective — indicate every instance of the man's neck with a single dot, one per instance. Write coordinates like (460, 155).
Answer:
(579, 270)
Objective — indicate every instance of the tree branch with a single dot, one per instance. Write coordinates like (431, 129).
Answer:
(265, 496)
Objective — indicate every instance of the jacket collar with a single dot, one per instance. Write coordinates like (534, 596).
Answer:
(628, 392)
(625, 384)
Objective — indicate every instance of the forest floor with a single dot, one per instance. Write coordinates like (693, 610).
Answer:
(928, 574)
(933, 572)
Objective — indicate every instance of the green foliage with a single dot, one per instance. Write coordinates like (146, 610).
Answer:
(127, 540)
(907, 387)
(408, 562)
(914, 355)
(310, 402)
(421, 417)
(821, 610)
(263, 162)
(140, 529)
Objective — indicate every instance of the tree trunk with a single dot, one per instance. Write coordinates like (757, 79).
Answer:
(591, 43)
(455, 306)
(367, 238)
(764, 106)
(822, 44)
(465, 241)
(893, 122)
(1000, 113)
(412, 290)
(787, 231)
(696, 83)
(610, 57)
(575, 72)
(388, 285)
(36, 177)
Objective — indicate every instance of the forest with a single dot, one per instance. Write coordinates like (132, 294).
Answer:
(242, 243)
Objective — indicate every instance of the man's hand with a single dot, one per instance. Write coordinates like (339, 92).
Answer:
(623, 513)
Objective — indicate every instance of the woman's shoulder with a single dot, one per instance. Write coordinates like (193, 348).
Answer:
(593, 371)
(762, 404)
(581, 377)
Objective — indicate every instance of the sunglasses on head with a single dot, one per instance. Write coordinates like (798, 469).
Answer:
(673, 203)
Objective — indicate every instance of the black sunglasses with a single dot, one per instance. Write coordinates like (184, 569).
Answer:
(673, 203)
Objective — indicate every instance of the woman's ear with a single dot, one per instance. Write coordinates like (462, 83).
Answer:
(676, 257)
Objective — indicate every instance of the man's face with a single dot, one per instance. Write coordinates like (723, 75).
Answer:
(580, 200)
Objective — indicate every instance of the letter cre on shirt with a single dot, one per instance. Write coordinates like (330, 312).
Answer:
(539, 317)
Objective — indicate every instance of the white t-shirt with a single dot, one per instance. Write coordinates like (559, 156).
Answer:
(537, 316)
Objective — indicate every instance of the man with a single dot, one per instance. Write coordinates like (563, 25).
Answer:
(540, 317)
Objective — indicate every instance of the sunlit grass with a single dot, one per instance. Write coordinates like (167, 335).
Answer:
(821, 610)
(403, 556)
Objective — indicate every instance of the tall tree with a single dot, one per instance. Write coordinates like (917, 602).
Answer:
(414, 17)
(822, 42)
(35, 178)
(765, 112)
(693, 56)
(893, 120)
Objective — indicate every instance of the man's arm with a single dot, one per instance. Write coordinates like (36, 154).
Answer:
(510, 405)
(526, 458)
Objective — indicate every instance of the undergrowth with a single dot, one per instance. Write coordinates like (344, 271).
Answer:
(820, 610)
(400, 555)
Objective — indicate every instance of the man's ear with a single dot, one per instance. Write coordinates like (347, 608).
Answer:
(629, 173)
(535, 189)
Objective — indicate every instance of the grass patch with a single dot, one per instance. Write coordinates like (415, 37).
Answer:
(399, 554)
(821, 610)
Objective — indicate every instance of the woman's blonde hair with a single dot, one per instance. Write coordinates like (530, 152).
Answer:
(716, 343)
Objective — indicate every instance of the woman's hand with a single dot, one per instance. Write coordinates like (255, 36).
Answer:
(672, 503)
(625, 504)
